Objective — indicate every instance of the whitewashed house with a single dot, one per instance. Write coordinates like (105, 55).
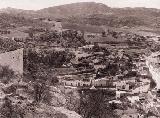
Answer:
(119, 94)
(74, 80)
(77, 81)
(103, 82)
(121, 85)
(133, 99)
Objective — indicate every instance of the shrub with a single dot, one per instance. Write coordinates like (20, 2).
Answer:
(6, 74)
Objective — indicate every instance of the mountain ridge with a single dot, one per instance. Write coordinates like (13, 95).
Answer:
(80, 8)
(83, 10)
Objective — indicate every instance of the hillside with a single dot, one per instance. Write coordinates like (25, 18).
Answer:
(19, 12)
(100, 14)
(75, 9)
(111, 20)
(94, 14)
(9, 20)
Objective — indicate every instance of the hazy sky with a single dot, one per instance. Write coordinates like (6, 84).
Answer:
(39, 4)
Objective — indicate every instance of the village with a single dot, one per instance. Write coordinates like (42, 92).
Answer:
(105, 60)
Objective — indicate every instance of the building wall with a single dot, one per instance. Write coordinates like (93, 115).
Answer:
(76, 83)
(101, 82)
(96, 83)
(121, 85)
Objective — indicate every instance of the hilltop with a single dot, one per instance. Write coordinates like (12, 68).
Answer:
(100, 14)
(76, 9)
(94, 13)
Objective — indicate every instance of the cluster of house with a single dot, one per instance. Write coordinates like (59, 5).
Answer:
(79, 81)
(74, 80)
(120, 84)
(127, 85)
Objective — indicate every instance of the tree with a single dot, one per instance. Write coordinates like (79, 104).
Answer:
(6, 74)
(95, 104)
(96, 47)
(41, 92)
(30, 34)
(103, 34)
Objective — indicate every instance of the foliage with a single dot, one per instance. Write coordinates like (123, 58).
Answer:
(14, 20)
(94, 104)
(6, 74)
(9, 45)
(68, 38)
(41, 92)
(49, 58)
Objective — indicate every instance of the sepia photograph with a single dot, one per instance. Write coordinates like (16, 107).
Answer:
(79, 58)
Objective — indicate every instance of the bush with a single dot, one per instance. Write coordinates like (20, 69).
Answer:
(9, 45)
(6, 74)
(41, 93)
(95, 104)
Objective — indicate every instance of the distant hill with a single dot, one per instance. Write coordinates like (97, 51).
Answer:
(94, 14)
(13, 20)
(100, 14)
(109, 20)
(14, 10)
(75, 9)
(19, 12)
